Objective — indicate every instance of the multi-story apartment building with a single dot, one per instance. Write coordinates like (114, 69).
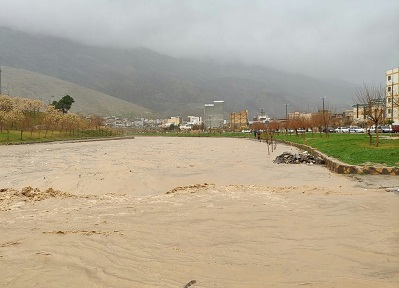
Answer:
(239, 120)
(173, 120)
(195, 120)
(214, 114)
(297, 114)
(392, 95)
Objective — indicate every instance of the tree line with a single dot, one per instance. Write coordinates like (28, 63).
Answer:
(370, 99)
(34, 116)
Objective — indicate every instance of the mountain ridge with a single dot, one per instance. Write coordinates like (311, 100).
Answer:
(167, 85)
(28, 84)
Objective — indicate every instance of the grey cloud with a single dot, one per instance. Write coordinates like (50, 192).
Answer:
(351, 40)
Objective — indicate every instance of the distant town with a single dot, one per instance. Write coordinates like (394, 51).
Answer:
(376, 110)
(374, 106)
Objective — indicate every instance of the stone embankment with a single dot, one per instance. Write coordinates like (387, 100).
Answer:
(339, 167)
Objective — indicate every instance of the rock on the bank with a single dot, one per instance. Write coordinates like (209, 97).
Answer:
(298, 158)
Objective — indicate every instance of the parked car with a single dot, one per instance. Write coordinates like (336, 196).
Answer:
(386, 129)
(329, 129)
(342, 130)
(395, 128)
(372, 129)
(356, 129)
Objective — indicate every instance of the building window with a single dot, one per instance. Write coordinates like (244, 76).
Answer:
(389, 89)
(389, 100)
(389, 111)
(389, 78)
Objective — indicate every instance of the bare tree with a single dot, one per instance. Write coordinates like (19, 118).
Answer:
(52, 119)
(373, 100)
(11, 119)
(34, 106)
(317, 122)
(20, 120)
(2, 119)
(71, 121)
(97, 122)
(6, 103)
(297, 123)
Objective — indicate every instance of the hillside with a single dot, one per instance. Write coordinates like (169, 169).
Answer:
(37, 86)
(167, 85)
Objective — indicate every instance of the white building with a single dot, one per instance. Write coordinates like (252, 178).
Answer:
(195, 120)
(192, 120)
(392, 95)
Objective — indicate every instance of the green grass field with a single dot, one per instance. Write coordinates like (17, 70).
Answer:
(353, 149)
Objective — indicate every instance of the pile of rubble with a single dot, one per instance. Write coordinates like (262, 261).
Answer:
(299, 158)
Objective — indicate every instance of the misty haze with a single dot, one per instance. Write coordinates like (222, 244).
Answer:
(172, 57)
(199, 143)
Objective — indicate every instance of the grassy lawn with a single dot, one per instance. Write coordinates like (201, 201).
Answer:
(353, 149)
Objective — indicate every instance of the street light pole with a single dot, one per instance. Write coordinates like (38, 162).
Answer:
(286, 112)
(324, 117)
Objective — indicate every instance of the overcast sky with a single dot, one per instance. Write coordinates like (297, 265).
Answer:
(355, 40)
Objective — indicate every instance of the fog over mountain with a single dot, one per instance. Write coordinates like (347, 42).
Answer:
(173, 56)
(341, 39)
(166, 85)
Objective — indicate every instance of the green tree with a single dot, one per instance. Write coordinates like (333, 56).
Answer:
(172, 127)
(64, 104)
